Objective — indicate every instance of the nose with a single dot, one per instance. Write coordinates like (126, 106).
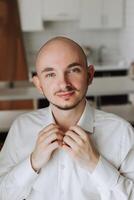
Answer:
(63, 81)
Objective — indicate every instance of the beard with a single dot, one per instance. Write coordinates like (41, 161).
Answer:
(68, 107)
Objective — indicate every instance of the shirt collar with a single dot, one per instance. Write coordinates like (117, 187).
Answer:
(50, 118)
(86, 120)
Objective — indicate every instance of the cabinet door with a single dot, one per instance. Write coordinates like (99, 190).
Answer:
(90, 14)
(30, 15)
(99, 14)
(112, 16)
(60, 9)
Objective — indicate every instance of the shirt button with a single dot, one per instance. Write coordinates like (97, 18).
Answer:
(62, 166)
(62, 191)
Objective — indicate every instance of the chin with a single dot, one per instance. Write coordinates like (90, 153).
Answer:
(67, 105)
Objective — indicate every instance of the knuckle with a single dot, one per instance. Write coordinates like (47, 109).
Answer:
(54, 129)
(76, 153)
(54, 145)
(40, 138)
(65, 137)
(51, 125)
(41, 146)
(85, 137)
(81, 144)
(60, 137)
(77, 150)
(54, 135)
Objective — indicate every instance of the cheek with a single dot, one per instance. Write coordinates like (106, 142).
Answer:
(80, 82)
(49, 87)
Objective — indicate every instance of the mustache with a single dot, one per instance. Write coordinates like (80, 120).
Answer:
(68, 88)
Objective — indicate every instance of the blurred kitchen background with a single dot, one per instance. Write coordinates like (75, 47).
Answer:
(105, 30)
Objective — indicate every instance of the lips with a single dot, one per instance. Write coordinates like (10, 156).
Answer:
(65, 94)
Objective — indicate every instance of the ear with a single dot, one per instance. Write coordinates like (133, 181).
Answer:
(37, 83)
(91, 72)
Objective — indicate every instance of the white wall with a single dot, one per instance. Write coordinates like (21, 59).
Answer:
(127, 34)
(109, 38)
(119, 43)
(127, 37)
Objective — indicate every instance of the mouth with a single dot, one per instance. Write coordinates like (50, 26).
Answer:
(66, 95)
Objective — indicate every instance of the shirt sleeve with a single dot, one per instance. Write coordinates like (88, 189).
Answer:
(120, 181)
(16, 174)
(17, 183)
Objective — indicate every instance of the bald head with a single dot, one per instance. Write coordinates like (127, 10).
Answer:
(62, 73)
(60, 43)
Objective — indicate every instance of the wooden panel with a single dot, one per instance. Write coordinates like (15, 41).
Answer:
(13, 65)
(16, 105)
(12, 54)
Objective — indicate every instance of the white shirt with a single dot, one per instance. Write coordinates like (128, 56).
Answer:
(62, 178)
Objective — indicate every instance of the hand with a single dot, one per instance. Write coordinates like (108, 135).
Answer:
(78, 143)
(49, 139)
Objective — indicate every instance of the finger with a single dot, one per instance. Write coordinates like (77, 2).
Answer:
(50, 138)
(70, 142)
(44, 135)
(67, 148)
(51, 147)
(48, 128)
(75, 137)
(78, 130)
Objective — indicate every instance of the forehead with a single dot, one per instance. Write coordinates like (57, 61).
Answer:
(59, 53)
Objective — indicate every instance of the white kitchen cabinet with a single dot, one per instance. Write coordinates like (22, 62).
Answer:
(31, 15)
(101, 14)
(54, 10)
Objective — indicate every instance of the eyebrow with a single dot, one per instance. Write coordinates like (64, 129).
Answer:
(74, 64)
(48, 69)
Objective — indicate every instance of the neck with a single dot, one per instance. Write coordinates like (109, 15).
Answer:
(67, 118)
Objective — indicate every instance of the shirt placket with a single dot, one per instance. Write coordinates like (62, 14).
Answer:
(61, 175)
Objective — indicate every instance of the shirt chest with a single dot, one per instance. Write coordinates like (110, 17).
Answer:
(65, 179)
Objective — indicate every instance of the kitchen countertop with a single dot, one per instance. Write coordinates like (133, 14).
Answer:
(112, 67)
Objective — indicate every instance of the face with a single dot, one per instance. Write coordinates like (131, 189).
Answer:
(63, 76)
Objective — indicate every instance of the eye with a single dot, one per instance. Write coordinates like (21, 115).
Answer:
(50, 75)
(75, 70)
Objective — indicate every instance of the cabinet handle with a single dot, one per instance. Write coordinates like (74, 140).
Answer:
(104, 20)
(102, 23)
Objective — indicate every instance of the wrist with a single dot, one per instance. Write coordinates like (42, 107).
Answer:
(94, 162)
(36, 170)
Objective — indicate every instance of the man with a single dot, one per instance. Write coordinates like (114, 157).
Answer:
(69, 150)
